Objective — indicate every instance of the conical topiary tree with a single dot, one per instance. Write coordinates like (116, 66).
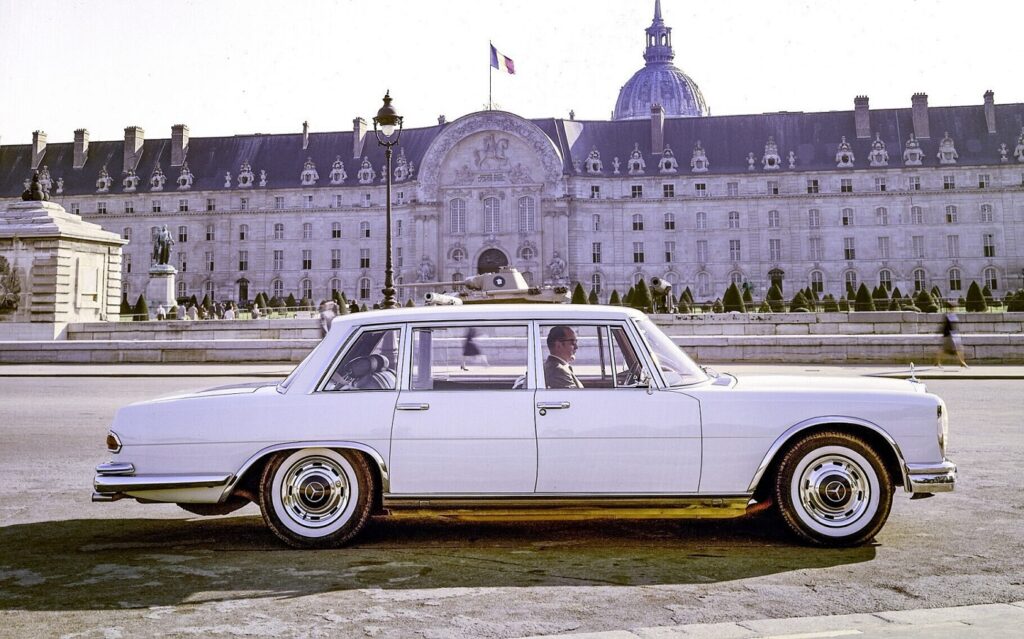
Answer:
(864, 301)
(362, 308)
(850, 292)
(717, 306)
(924, 301)
(682, 306)
(975, 302)
(829, 304)
(688, 295)
(774, 299)
(733, 300)
(126, 308)
(409, 303)
(748, 299)
(880, 296)
(579, 296)
(141, 311)
(896, 294)
(628, 299)
(613, 299)
(894, 304)
(798, 303)
(1015, 302)
(642, 298)
(764, 308)
(844, 305)
(592, 297)
(290, 301)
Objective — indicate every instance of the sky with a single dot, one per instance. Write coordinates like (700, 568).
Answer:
(227, 67)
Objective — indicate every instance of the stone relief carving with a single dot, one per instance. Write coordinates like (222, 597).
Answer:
(157, 179)
(130, 181)
(668, 162)
(947, 150)
(878, 156)
(493, 155)
(636, 164)
(338, 174)
(844, 155)
(771, 161)
(184, 178)
(263, 177)
(403, 167)
(556, 268)
(594, 164)
(912, 153)
(10, 287)
(309, 176)
(366, 172)
(426, 271)
(699, 160)
(246, 178)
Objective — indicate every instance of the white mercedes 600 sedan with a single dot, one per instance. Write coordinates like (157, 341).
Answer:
(529, 412)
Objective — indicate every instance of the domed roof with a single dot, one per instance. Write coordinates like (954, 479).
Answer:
(660, 81)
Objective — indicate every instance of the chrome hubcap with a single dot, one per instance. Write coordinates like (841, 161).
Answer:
(315, 491)
(834, 491)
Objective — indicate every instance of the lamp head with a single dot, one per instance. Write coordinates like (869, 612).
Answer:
(387, 117)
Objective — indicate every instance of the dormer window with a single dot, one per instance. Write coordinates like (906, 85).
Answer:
(636, 162)
(104, 181)
(130, 181)
(338, 174)
(366, 173)
(594, 164)
(403, 168)
(947, 151)
(771, 161)
(246, 178)
(699, 160)
(844, 155)
(184, 178)
(157, 180)
(912, 153)
(878, 156)
(668, 162)
(309, 176)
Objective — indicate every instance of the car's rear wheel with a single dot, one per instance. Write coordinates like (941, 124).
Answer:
(316, 497)
(832, 489)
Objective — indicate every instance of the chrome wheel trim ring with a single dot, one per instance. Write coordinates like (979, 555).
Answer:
(315, 491)
(834, 490)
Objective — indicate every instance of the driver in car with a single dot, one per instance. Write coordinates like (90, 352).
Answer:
(562, 346)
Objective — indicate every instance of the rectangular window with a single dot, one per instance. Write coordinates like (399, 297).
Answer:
(702, 251)
(700, 189)
(984, 180)
(846, 185)
(812, 186)
(775, 250)
(670, 222)
(638, 252)
(952, 246)
(307, 231)
(243, 232)
(773, 219)
(883, 248)
(307, 201)
(916, 215)
(398, 228)
(336, 230)
(595, 192)
(211, 232)
(399, 260)
(278, 260)
(595, 222)
(211, 204)
(670, 252)
(986, 212)
(948, 182)
(847, 217)
(243, 204)
(773, 187)
(917, 246)
(307, 259)
(278, 231)
(636, 191)
(951, 215)
(364, 258)
(129, 207)
(335, 258)
(595, 252)
(638, 223)
(182, 263)
(668, 190)
(209, 260)
(815, 249)
(814, 218)
(75, 208)
(849, 250)
(734, 250)
(400, 198)
(988, 244)
(439, 362)
(914, 183)
(279, 202)
(880, 184)
(182, 206)
(732, 189)
(243, 260)
(338, 201)
(182, 234)
(101, 207)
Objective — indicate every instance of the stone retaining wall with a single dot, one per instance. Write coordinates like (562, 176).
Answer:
(881, 337)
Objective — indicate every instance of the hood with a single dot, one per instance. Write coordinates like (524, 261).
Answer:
(831, 384)
(219, 391)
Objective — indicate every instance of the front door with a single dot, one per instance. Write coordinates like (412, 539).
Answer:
(601, 428)
(465, 422)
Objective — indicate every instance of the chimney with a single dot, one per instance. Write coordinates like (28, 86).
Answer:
(81, 147)
(179, 144)
(441, 120)
(358, 136)
(305, 135)
(134, 136)
(861, 116)
(657, 129)
(990, 111)
(38, 148)
(919, 107)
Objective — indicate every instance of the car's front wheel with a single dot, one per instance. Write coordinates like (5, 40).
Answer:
(832, 489)
(316, 497)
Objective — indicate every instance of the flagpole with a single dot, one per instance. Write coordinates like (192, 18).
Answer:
(490, 76)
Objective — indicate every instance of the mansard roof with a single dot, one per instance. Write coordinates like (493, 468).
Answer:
(727, 141)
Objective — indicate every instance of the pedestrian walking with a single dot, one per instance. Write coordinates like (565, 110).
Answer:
(952, 344)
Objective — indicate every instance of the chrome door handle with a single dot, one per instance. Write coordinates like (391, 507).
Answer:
(415, 406)
(552, 405)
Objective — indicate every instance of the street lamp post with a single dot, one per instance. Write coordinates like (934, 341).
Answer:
(387, 127)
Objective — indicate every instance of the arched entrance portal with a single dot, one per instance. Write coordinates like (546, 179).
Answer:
(491, 260)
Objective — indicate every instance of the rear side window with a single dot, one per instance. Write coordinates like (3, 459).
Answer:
(461, 358)
(369, 364)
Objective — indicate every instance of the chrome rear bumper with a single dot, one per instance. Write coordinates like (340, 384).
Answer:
(931, 478)
(114, 480)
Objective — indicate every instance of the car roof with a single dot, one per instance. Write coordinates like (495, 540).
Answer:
(470, 312)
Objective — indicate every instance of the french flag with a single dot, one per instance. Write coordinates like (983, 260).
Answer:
(501, 62)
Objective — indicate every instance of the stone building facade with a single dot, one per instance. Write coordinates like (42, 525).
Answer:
(910, 197)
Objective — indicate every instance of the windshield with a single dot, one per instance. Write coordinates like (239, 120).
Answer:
(675, 365)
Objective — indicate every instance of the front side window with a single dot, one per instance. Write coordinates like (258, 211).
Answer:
(470, 358)
(578, 357)
(371, 363)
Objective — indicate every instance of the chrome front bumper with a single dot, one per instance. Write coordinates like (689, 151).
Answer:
(931, 478)
(114, 480)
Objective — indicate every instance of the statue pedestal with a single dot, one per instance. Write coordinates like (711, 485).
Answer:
(160, 288)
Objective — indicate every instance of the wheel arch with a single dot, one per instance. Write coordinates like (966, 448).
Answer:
(243, 478)
(874, 435)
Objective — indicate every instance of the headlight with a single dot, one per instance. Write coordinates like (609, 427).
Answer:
(113, 442)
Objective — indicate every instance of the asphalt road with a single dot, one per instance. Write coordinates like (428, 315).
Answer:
(69, 567)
